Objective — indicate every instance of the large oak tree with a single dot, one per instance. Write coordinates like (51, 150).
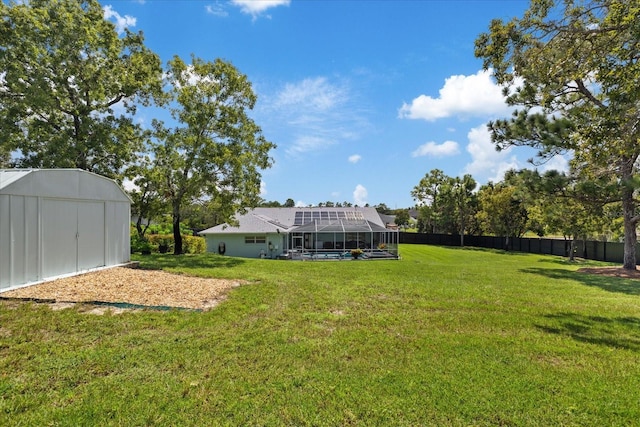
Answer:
(578, 66)
(69, 85)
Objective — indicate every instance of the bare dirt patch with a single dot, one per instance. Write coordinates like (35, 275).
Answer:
(120, 285)
(612, 272)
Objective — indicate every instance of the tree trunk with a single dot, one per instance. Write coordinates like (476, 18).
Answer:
(572, 249)
(629, 213)
(630, 237)
(139, 227)
(177, 237)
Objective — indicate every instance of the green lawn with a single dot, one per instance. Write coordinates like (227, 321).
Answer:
(445, 336)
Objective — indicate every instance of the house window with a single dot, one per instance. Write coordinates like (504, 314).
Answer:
(254, 239)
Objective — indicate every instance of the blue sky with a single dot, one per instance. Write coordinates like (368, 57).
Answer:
(362, 98)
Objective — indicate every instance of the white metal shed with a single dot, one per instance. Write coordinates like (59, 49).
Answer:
(59, 222)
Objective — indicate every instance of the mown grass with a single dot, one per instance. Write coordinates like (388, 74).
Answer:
(445, 337)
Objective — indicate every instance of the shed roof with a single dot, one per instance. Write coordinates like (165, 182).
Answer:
(60, 183)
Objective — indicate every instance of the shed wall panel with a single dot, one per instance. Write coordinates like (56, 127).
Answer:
(59, 237)
(5, 242)
(118, 244)
(91, 235)
(32, 233)
(17, 239)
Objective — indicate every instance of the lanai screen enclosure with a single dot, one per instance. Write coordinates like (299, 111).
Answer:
(59, 222)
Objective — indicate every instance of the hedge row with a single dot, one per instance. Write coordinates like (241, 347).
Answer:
(163, 243)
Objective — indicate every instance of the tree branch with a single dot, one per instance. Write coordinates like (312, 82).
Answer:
(586, 92)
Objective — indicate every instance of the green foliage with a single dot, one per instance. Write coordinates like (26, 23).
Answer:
(217, 151)
(446, 204)
(140, 245)
(147, 203)
(402, 218)
(165, 227)
(576, 67)
(443, 337)
(191, 244)
(502, 212)
(64, 68)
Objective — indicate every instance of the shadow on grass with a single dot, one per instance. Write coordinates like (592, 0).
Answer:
(563, 260)
(489, 250)
(161, 262)
(618, 332)
(607, 283)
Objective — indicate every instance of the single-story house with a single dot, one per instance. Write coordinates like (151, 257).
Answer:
(59, 222)
(304, 233)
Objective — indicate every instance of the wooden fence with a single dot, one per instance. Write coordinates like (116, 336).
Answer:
(590, 249)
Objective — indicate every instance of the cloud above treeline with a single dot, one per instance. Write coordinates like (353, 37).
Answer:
(476, 95)
(360, 195)
(447, 148)
(317, 113)
(257, 7)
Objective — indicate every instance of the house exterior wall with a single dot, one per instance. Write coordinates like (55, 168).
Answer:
(48, 230)
(236, 246)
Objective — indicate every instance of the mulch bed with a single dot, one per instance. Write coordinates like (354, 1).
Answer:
(122, 287)
(612, 272)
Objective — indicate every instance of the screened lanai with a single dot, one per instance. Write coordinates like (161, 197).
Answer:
(336, 233)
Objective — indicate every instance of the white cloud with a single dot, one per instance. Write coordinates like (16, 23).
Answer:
(355, 158)
(263, 188)
(317, 113)
(257, 7)
(360, 195)
(316, 94)
(447, 148)
(216, 10)
(487, 163)
(305, 143)
(128, 185)
(121, 22)
(301, 204)
(474, 95)
(558, 162)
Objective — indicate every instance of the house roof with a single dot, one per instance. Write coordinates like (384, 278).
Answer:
(388, 219)
(327, 219)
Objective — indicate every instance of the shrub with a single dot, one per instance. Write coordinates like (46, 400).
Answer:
(140, 245)
(190, 244)
(164, 242)
(193, 245)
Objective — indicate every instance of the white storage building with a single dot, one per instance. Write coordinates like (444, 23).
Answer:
(59, 222)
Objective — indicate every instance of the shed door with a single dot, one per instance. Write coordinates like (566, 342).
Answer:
(72, 236)
(90, 235)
